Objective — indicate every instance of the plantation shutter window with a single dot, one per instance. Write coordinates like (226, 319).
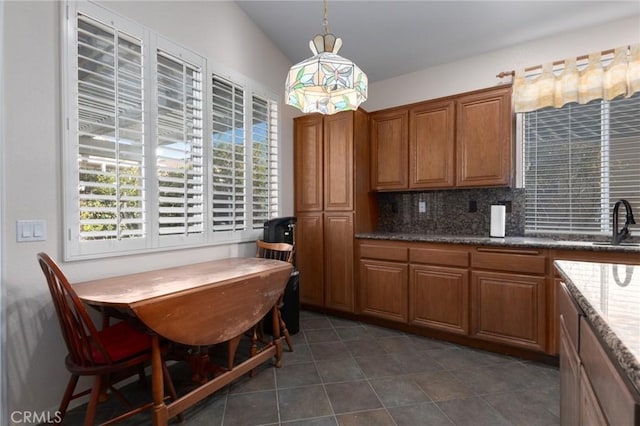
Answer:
(138, 175)
(264, 130)
(179, 154)
(229, 158)
(110, 132)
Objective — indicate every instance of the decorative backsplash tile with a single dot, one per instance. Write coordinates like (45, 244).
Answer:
(450, 212)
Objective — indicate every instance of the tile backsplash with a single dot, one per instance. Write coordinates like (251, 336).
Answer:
(450, 212)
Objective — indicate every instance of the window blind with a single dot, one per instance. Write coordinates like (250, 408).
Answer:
(110, 133)
(264, 131)
(179, 154)
(578, 160)
(228, 156)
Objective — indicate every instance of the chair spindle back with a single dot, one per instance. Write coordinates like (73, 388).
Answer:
(78, 330)
(277, 251)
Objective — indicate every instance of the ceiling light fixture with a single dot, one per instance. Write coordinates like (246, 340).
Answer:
(326, 82)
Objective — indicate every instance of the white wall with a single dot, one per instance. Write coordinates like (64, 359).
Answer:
(31, 166)
(31, 160)
(480, 71)
(3, 369)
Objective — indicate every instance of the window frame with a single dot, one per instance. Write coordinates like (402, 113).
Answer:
(152, 241)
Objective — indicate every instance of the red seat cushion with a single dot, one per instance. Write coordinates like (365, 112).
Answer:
(121, 341)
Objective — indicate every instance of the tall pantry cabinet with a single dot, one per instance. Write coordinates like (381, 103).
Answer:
(332, 203)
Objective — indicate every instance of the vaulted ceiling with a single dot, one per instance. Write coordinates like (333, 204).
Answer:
(391, 38)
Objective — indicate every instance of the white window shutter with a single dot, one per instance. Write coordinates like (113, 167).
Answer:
(110, 133)
(228, 156)
(264, 140)
(179, 152)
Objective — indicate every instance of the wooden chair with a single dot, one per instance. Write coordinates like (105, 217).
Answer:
(284, 252)
(110, 355)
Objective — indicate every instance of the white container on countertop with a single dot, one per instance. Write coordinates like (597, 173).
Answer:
(498, 213)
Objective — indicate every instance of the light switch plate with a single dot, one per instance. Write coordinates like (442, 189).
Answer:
(31, 230)
(422, 207)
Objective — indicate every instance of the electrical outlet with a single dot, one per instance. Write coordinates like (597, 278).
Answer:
(422, 207)
(473, 206)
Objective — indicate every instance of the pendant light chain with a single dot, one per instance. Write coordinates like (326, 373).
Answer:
(325, 21)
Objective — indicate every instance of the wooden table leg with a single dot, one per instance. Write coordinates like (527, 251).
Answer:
(160, 413)
(275, 327)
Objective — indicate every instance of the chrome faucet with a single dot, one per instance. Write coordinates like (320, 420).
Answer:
(624, 233)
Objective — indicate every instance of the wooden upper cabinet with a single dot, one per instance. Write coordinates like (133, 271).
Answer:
(308, 163)
(458, 141)
(338, 162)
(483, 139)
(432, 145)
(389, 149)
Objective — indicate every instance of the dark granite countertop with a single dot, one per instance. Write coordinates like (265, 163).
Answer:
(527, 242)
(609, 296)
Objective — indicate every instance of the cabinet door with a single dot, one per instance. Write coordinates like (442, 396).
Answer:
(309, 258)
(483, 139)
(432, 145)
(383, 289)
(508, 308)
(439, 298)
(338, 161)
(307, 163)
(338, 262)
(590, 411)
(569, 381)
(389, 149)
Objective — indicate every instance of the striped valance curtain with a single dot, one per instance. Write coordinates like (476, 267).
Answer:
(596, 77)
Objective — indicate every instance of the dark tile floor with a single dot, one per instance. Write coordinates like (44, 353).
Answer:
(348, 373)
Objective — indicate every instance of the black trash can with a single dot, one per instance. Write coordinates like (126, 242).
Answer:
(282, 230)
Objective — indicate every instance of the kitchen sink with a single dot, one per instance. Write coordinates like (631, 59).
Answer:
(620, 244)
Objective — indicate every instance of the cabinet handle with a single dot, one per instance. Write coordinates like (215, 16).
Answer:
(507, 251)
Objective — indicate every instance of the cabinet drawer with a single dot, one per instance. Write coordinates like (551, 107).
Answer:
(569, 314)
(384, 252)
(619, 404)
(512, 260)
(439, 257)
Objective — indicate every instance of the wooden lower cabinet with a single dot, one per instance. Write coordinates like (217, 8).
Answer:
(383, 289)
(508, 308)
(310, 257)
(324, 257)
(439, 298)
(569, 380)
(592, 389)
(338, 261)
(504, 296)
(590, 411)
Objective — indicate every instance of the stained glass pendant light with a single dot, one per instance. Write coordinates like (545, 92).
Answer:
(326, 82)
